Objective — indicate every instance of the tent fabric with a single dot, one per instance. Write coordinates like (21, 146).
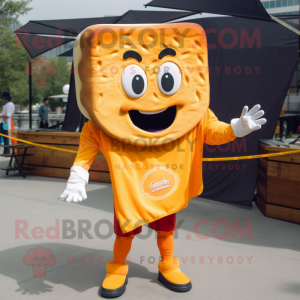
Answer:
(72, 27)
(68, 53)
(75, 26)
(147, 17)
(74, 120)
(30, 33)
(68, 27)
(38, 44)
(35, 28)
(150, 17)
(251, 62)
(239, 8)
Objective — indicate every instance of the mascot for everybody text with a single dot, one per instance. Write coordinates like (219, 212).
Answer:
(150, 118)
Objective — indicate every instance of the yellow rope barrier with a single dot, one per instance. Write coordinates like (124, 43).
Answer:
(204, 159)
(251, 157)
(39, 145)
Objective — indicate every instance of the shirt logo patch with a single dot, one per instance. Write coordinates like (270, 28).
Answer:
(159, 183)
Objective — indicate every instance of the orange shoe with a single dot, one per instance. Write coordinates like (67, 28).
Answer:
(171, 276)
(114, 284)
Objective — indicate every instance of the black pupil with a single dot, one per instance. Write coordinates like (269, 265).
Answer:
(138, 84)
(167, 82)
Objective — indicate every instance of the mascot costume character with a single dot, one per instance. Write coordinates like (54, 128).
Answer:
(150, 118)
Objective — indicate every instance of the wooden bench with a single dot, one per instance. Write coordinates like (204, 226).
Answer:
(54, 163)
(278, 184)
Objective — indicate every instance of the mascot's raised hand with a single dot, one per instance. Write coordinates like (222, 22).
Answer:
(249, 121)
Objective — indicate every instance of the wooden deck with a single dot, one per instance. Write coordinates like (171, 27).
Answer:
(278, 184)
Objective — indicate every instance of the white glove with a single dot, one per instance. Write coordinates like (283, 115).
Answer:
(249, 121)
(75, 190)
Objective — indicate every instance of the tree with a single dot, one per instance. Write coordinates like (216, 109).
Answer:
(12, 63)
(14, 59)
(10, 10)
(56, 83)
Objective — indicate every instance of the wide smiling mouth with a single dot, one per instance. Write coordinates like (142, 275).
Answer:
(153, 121)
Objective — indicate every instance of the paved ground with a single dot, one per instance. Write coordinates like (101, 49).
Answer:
(262, 264)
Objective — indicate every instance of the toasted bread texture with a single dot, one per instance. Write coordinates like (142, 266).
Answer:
(100, 63)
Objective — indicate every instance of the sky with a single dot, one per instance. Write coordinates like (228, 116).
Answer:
(71, 9)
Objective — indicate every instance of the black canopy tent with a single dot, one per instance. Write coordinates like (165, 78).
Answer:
(65, 27)
(38, 36)
(33, 34)
(34, 27)
(239, 8)
(150, 17)
(39, 44)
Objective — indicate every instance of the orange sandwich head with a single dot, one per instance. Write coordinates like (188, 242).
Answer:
(137, 83)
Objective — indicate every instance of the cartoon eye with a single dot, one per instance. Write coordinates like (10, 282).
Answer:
(35, 258)
(43, 258)
(134, 81)
(169, 78)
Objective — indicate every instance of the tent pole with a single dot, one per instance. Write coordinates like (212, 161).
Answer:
(30, 96)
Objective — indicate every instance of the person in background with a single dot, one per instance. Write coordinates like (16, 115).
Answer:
(44, 114)
(5, 118)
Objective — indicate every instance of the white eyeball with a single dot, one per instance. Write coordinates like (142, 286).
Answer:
(134, 81)
(169, 78)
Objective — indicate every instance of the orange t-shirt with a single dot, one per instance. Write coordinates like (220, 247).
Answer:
(154, 181)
